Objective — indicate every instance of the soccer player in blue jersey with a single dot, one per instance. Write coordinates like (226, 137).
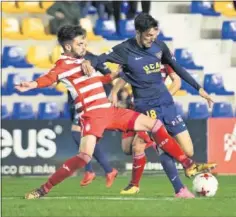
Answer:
(141, 58)
(99, 155)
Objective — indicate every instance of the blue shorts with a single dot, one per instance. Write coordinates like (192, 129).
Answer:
(168, 115)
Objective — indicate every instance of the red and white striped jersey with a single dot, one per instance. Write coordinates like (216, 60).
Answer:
(87, 91)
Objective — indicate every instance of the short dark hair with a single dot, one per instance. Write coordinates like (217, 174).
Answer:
(68, 33)
(144, 21)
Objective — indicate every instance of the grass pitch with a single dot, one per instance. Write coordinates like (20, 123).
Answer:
(155, 199)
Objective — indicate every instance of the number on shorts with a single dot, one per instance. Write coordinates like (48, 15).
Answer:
(152, 114)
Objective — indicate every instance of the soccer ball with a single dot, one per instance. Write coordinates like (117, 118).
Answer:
(205, 185)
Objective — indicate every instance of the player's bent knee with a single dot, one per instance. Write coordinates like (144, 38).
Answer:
(144, 123)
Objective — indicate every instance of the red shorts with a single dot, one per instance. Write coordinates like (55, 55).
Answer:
(95, 122)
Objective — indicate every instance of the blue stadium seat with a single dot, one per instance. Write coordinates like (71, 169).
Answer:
(229, 30)
(5, 115)
(48, 91)
(106, 28)
(4, 90)
(162, 37)
(185, 59)
(16, 78)
(126, 28)
(222, 110)
(197, 111)
(124, 8)
(66, 112)
(187, 87)
(48, 111)
(14, 56)
(213, 83)
(22, 111)
(203, 7)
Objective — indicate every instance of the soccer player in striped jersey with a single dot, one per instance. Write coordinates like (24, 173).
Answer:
(95, 111)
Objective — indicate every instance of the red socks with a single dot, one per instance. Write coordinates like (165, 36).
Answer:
(139, 162)
(66, 170)
(169, 145)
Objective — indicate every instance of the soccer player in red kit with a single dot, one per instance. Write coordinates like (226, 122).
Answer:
(95, 111)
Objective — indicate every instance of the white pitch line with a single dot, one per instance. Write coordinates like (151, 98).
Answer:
(103, 198)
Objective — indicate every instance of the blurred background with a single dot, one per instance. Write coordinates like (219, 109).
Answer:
(35, 133)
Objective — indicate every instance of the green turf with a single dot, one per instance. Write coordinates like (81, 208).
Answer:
(155, 199)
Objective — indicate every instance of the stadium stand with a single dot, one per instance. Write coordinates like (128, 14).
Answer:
(22, 111)
(207, 51)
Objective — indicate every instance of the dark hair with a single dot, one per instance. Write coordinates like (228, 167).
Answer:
(144, 21)
(68, 33)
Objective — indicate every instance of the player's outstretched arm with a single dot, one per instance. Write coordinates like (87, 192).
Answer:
(26, 86)
(206, 96)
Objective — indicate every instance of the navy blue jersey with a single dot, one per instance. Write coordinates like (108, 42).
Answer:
(142, 69)
(99, 67)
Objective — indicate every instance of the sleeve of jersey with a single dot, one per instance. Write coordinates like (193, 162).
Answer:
(106, 79)
(115, 55)
(47, 79)
(167, 58)
(103, 69)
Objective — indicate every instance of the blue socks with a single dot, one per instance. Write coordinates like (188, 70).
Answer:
(169, 167)
(98, 155)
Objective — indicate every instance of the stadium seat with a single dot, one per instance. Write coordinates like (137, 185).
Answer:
(34, 28)
(11, 29)
(14, 56)
(66, 111)
(46, 4)
(185, 59)
(48, 111)
(107, 29)
(22, 111)
(38, 55)
(229, 30)
(198, 111)
(4, 112)
(126, 28)
(48, 91)
(222, 110)
(30, 6)
(10, 7)
(162, 37)
(203, 7)
(213, 83)
(88, 26)
(56, 53)
(225, 8)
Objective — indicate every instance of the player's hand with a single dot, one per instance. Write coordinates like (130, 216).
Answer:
(113, 98)
(87, 67)
(26, 86)
(206, 96)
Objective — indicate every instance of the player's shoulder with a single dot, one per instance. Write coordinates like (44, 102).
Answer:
(160, 43)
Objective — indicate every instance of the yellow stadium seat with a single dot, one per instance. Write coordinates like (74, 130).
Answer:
(39, 56)
(56, 53)
(45, 4)
(112, 66)
(30, 6)
(11, 29)
(88, 26)
(10, 7)
(34, 28)
(181, 93)
(225, 8)
(61, 87)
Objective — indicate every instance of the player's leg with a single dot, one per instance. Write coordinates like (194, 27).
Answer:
(87, 146)
(185, 141)
(168, 144)
(126, 142)
(98, 154)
